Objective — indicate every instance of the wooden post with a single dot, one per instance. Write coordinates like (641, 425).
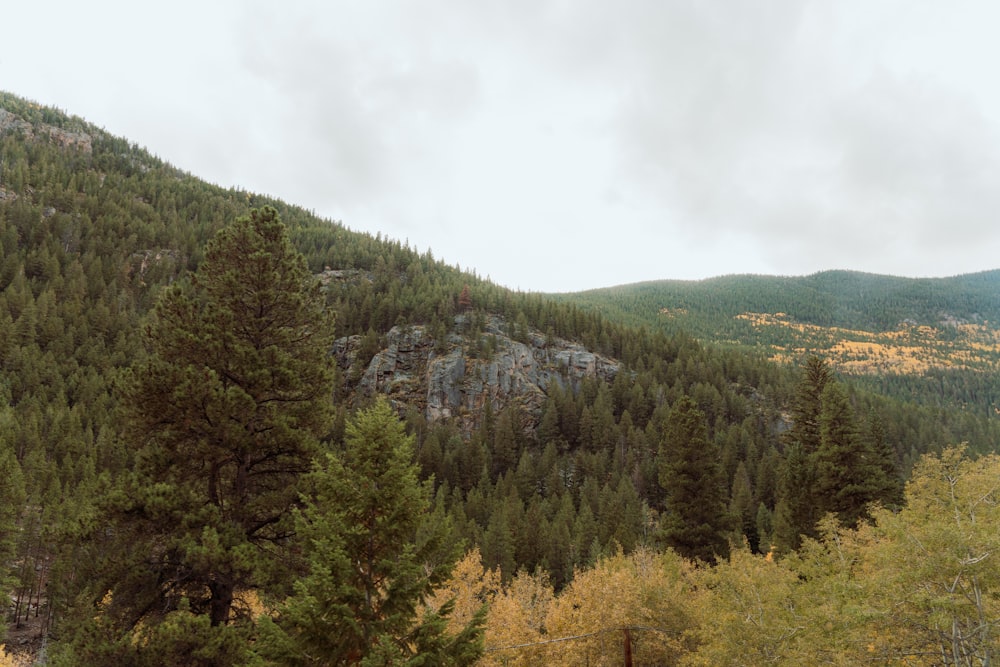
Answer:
(628, 647)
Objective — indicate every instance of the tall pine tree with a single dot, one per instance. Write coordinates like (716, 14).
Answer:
(852, 471)
(828, 466)
(225, 415)
(12, 497)
(844, 474)
(795, 511)
(807, 405)
(696, 520)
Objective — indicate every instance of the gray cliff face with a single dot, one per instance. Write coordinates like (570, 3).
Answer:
(456, 378)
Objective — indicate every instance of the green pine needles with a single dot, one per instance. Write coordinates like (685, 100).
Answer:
(375, 553)
(225, 418)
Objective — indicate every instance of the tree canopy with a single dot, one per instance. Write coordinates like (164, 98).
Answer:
(375, 554)
(225, 416)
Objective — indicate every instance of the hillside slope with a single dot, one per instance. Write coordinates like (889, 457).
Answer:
(844, 299)
(935, 340)
(541, 426)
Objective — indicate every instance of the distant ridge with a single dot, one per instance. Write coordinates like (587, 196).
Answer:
(827, 298)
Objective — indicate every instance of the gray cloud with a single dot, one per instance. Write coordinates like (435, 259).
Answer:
(360, 113)
(743, 121)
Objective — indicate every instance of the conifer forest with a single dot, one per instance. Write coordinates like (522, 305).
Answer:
(234, 433)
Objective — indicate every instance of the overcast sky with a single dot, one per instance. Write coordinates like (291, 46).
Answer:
(565, 145)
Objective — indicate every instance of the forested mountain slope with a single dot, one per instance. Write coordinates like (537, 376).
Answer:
(932, 340)
(550, 434)
(844, 299)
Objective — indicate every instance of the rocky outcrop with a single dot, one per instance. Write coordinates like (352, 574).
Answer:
(329, 276)
(158, 262)
(10, 122)
(458, 377)
(64, 138)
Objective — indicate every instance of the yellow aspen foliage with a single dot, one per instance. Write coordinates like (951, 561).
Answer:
(470, 586)
(645, 593)
(248, 603)
(937, 564)
(914, 586)
(833, 596)
(746, 612)
(13, 659)
(515, 624)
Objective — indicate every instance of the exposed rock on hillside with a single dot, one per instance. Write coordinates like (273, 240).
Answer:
(9, 121)
(456, 378)
(342, 275)
(64, 138)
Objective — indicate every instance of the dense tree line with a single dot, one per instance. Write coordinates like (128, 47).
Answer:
(910, 586)
(844, 299)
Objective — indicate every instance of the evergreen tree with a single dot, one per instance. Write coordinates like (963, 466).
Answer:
(844, 475)
(764, 525)
(696, 520)
(465, 299)
(374, 555)
(225, 414)
(796, 511)
(794, 514)
(742, 508)
(807, 405)
(888, 481)
(851, 471)
(12, 498)
(506, 440)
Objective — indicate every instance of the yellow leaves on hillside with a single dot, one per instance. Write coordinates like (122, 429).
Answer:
(746, 612)
(13, 659)
(917, 586)
(861, 357)
(471, 586)
(769, 319)
(907, 351)
(645, 592)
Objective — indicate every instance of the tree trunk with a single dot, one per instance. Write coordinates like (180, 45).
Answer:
(222, 600)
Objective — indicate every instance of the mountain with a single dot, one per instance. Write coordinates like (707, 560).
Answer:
(542, 425)
(845, 299)
(935, 340)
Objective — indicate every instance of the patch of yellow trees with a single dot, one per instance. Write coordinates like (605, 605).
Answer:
(920, 586)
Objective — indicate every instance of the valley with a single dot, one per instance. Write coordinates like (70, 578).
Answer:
(212, 399)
